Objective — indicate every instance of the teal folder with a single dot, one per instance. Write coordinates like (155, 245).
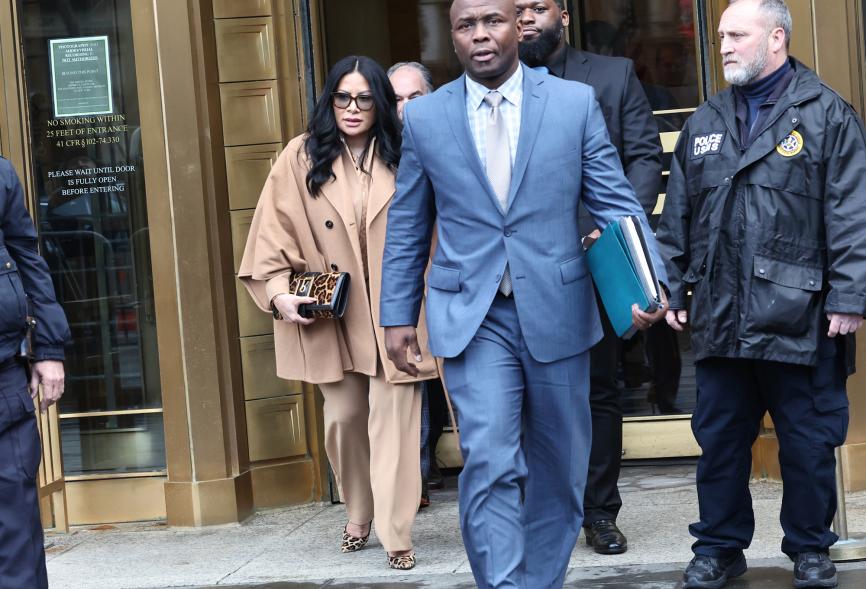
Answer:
(623, 273)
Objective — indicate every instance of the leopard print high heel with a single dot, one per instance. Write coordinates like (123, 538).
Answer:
(352, 543)
(404, 562)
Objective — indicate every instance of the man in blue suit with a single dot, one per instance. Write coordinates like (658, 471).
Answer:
(499, 160)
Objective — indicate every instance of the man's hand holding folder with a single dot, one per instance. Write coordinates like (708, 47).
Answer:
(624, 275)
(644, 321)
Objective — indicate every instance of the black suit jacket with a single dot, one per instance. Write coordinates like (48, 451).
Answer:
(630, 122)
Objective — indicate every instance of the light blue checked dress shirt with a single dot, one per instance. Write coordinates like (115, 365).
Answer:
(479, 112)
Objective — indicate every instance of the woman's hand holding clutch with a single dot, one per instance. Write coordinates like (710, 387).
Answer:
(286, 305)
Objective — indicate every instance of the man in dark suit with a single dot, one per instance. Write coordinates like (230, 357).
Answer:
(634, 134)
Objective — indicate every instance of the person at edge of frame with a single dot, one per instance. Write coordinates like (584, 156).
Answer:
(411, 80)
(510, 304)
(763, 223)
(634, 134)
(33, 333)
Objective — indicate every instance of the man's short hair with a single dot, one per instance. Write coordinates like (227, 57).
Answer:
(778, 16)
(422, 69)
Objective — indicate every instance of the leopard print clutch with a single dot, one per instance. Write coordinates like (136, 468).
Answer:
(330, 289)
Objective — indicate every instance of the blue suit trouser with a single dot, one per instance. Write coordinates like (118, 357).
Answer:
(809, 409)
(525, 433)
(22, 555)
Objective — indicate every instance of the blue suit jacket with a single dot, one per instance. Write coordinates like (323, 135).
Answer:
(564, 157)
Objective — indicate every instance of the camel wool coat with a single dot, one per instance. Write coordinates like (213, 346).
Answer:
(293, 232)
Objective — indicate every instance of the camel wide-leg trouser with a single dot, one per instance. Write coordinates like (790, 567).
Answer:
(372, 438)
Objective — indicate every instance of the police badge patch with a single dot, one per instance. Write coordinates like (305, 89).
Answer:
(706, 144)
(790, 145)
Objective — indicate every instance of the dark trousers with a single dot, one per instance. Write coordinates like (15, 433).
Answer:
(433, 418)
(663, 348)
(601, 497)
(809, 407)
(22, 555)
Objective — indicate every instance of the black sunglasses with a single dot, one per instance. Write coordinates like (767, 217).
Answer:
(344, 99)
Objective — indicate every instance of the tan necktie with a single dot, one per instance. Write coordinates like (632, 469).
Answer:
(499, 165)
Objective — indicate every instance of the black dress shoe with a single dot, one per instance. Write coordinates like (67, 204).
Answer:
(814, 569)
(605, 537)
(707, 572)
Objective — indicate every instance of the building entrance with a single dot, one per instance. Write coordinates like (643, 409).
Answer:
(150, 127)
(83, 165)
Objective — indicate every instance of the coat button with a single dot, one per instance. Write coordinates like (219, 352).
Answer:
(794, 121)
(728, 180)
(329, 224)
(335, 268)
(761, 271)
(8, 265)
(811, 283)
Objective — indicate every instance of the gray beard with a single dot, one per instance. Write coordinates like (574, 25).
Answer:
(746, 74)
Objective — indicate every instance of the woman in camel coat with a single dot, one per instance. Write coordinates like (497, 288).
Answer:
(324, 208)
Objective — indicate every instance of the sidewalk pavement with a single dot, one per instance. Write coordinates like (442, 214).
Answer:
(298, 548)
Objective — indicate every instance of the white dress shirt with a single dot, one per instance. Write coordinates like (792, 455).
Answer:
(510, 109)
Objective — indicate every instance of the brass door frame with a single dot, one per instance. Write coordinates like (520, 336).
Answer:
(170, 40)
(14, 125)
(860, 15)
(63, 501)
(318, 52)
(53, 502)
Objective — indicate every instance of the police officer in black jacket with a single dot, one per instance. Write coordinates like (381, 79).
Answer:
(635, 135)
(764, 224)
(25, 291)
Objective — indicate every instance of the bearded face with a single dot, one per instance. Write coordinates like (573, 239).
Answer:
(740, 71)
(535, 51)
(750, 43)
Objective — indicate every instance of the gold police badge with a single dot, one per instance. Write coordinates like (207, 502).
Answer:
(790, 145)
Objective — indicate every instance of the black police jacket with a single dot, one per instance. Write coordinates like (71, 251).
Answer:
(24, 275)
(771, 237)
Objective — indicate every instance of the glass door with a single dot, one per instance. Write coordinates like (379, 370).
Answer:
(659, 36)
(391, 31)
(89, 198)
(664, 40)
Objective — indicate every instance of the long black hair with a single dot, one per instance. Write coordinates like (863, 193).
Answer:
(323, 143)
